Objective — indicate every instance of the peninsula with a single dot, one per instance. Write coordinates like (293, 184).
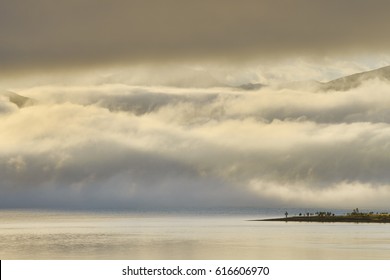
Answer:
(327, 217)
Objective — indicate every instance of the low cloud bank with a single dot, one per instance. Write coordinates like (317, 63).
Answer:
(120, 146)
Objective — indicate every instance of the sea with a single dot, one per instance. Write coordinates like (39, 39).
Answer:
(185, 234)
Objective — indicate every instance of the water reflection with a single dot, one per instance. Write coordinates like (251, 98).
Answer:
(127, 235)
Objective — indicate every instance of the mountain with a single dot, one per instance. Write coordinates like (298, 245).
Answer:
(19, 100)
(340, 84)
(251, 86)
(355, 80)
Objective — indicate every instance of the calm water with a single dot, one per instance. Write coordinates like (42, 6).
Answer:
(183, 235)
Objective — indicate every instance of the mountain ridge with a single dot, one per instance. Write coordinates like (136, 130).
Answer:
(19, 100)
(355, 80)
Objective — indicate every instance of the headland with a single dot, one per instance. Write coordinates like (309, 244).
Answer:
(327, 217)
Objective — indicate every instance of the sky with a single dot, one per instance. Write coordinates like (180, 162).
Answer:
(138, 104)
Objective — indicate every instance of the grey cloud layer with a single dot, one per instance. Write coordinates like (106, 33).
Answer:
(127, 146)
(42, 33)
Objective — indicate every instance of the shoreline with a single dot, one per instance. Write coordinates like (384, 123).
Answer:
(332, 219)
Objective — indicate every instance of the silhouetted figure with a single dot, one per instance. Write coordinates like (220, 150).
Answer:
(286, 214)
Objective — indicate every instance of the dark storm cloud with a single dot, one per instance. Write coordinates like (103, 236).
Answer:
(43, 33)
(105, 175)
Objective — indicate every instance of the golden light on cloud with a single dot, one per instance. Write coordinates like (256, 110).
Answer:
(189, 103)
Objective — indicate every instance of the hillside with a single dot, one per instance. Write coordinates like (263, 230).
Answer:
(355, 80)
(19, 100)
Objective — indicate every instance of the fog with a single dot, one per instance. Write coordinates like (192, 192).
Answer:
(124, 146)
(142, 104)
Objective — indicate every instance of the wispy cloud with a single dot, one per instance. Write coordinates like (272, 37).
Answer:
(145, 108)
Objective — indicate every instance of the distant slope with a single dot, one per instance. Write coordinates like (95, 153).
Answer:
(250, 86)
(355, 80)
(19, 100)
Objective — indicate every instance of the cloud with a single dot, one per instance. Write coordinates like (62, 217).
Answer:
(122, 146)
(347, 194)
(69, 34)
(157, 119)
